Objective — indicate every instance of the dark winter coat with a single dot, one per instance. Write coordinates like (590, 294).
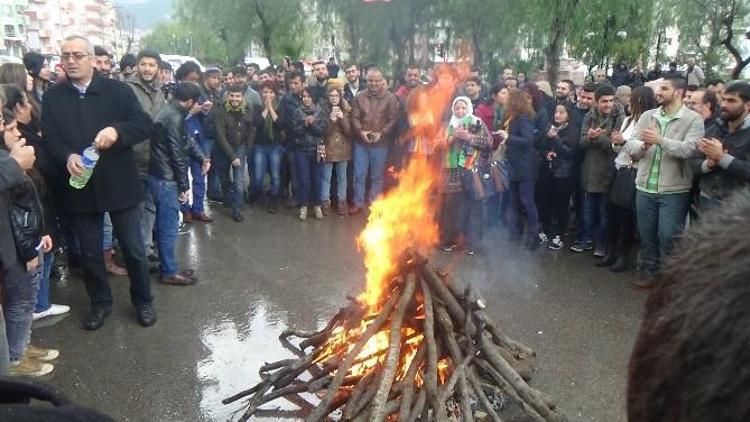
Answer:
(522, 158)
(70, 122)
(731, 174)
(11, 176)
(338, 138)
(565, 146)
(170, 147)
(233, 129)
(598, 166)
(307, 138)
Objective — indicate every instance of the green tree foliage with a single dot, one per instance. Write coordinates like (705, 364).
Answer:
(276, 25)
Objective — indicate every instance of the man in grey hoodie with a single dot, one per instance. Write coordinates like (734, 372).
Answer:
(667, 138)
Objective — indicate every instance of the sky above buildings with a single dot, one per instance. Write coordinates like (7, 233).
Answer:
(147, 12)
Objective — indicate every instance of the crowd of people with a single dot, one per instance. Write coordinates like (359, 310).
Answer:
(94, 160)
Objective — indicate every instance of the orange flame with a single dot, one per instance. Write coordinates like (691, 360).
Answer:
(406, 217)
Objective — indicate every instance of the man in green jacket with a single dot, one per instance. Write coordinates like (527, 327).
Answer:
(145, 85)
(235, 135)
(667, 138)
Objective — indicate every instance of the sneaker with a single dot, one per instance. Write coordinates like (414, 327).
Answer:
(470, 251)
(52, 311)
(543, 239)
(28, 367)
(448, 247)
(600, 252)
(582, 246)
(40, 353)
(327, 208)
(302, 216)
(318, 212)
(183, 229)
(555, 244)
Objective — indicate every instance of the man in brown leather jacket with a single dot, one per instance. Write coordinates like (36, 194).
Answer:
(374, 114)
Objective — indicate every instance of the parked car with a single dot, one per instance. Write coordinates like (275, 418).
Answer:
(176, 60)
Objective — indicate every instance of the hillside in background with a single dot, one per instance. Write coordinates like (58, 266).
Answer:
(147, 12)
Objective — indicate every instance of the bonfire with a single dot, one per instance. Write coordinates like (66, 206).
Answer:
(414, 345)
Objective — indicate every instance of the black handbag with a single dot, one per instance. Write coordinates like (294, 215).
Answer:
(623, 189)
(479, 183)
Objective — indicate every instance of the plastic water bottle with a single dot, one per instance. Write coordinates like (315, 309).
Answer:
(90, 157)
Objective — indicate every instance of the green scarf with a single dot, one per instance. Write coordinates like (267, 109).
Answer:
(239, 109)
(456, 156)
(268, 126)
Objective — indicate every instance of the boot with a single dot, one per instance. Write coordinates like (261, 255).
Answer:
(302, 214)
(623, 262)
(111, 266)
(609, 258)
(273, 204)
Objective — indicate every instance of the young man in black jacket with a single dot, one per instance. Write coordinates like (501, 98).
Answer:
(724, 165)
(168, 177)
(89, 109)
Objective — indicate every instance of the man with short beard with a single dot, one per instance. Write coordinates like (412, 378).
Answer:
(411, 81)
(724, 165)
(103, 61)
(145, 86)
(252, 98)
(318, 81)
(354, 83)
(666, 138)
(564, 91)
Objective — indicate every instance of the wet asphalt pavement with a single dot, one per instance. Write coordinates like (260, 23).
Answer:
(272, 272)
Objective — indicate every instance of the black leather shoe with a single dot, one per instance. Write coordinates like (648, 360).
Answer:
(95, 319)
(621, 265)
(146, 314)
(607, 260)
(237, 216)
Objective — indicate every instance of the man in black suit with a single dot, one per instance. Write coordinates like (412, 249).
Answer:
(90, 109)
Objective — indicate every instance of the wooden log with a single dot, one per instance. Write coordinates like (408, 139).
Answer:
(276, 365)
(431, 375)
(447, 389)
(506, 388)
(531, 396)
(419, 405)
(394, 352)
(454, 350)
(408, 382)
(476, 385)
(322, 409)
(358, 399)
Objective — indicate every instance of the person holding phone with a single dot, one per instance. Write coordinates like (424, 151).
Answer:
(338, 151)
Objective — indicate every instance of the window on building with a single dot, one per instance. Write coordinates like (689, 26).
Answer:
(10, 31)
(7, 10)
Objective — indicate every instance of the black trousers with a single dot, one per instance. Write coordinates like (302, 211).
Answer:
(127, 226)
(461, 220)
(555, 219)
(621, 228)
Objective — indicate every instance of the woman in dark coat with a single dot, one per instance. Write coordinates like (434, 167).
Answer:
(523, 166)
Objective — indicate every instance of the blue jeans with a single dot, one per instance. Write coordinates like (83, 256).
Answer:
(267, 159)
(233, 178)
(165, 195)
(42, 298)
(340, 166)
(661, 220)
(309, 177)
(107, 224)
(370, 159)
(149, 217)
(19, 299)
(595, 218)
(3, 346)
(198, 188)
(521, 195)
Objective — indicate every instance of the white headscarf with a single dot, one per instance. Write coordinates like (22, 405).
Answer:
(469, 119)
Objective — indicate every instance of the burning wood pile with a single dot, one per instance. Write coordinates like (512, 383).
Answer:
(412, 346)
(430, 352)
